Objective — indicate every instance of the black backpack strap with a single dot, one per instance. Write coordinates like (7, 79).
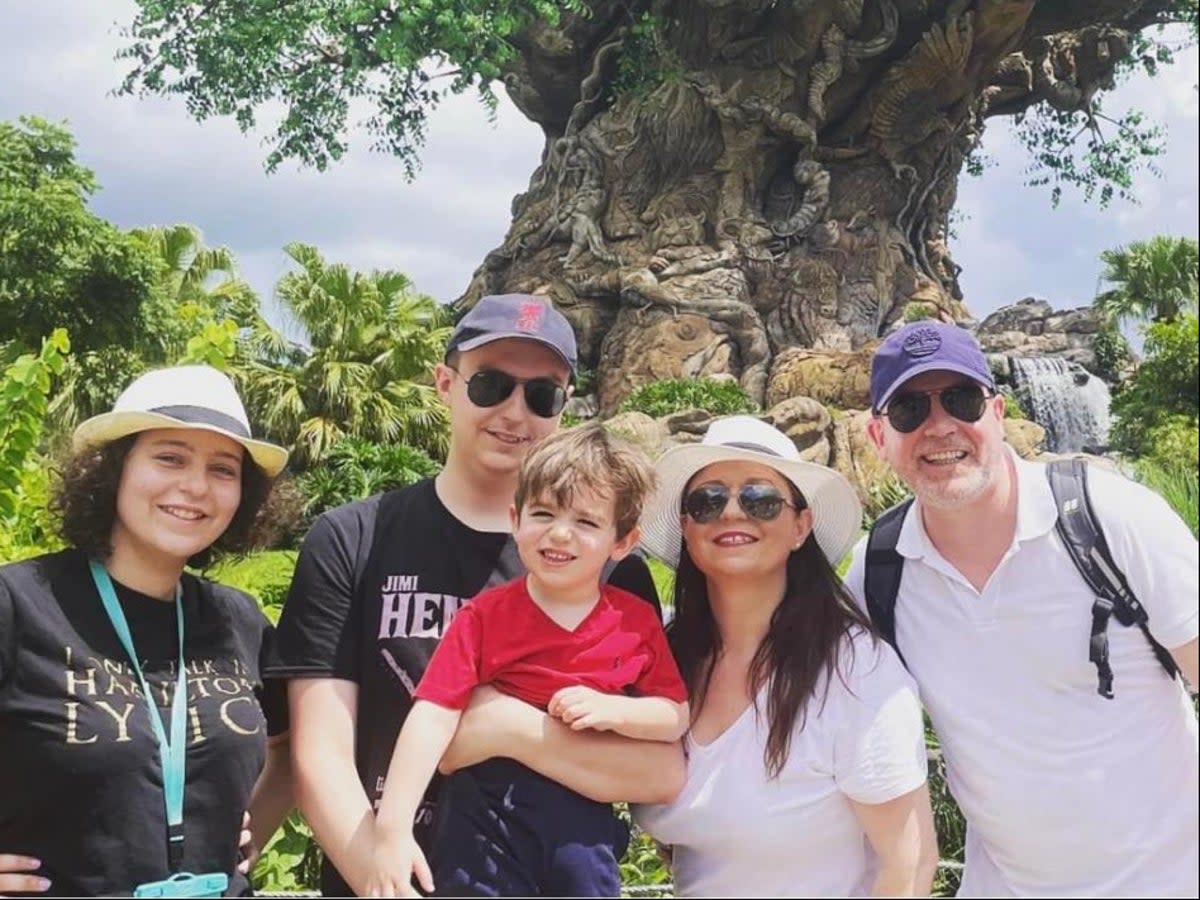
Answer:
(883, 570)
(1083, 537)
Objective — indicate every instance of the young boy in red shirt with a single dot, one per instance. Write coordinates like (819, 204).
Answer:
(590, 654)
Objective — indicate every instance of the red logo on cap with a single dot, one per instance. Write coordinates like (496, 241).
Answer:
(530, 316)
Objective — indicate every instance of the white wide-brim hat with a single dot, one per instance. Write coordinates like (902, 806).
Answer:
(836, 512)
(197, 397)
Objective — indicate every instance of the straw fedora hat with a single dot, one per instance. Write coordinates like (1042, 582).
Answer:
(837, 514)
(196, 397)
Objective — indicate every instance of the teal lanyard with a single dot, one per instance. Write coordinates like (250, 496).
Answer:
(171, 752)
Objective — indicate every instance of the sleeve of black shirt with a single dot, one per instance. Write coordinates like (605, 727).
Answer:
(273, 697)
(633, 574)
(316, 633)
(8, 633)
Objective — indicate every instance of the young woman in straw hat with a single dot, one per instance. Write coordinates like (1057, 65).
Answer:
(136, 725)
(806, 760)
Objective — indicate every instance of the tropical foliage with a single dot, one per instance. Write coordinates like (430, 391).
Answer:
(61, 266)
(1157, 409)
(1154, 280)
(368, 370)
(355, 468)
(1113, 354)
(24, 390)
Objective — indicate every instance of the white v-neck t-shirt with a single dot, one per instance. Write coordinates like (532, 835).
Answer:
(736, 832)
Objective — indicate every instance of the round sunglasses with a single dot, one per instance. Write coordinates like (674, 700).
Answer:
(544, 396)
(759, 501)
(906, 411)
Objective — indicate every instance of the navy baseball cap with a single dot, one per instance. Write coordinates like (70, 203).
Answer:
(925, 347)
(500, 316)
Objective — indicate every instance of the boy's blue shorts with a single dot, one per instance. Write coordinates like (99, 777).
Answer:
(503, 830)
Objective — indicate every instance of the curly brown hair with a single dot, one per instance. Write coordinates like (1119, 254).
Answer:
(85, 503)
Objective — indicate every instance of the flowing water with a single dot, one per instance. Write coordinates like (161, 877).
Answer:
(1066, 400)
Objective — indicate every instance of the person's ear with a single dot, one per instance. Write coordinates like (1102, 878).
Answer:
(443, 377)
(804, 526)
(514, 517)
(998, 403)
(875, 431)
(625, 545)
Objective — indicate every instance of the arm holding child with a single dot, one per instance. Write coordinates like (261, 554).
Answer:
(643, 718)
(658, 711)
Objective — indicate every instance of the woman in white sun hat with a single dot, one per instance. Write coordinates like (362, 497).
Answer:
(104, 792)
(806, 759)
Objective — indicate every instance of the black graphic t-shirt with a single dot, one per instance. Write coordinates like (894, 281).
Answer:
(376, 585)
(80, 777)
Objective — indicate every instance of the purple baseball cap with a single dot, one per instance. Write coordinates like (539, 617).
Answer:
(524, 316)
(925, 347)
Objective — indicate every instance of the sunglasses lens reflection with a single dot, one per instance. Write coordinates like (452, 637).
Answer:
(759, 501)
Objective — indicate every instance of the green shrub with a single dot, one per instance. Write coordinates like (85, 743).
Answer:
(355, 469)
(1012, 404)
(1159, 402)
(30, 529)
(1113, 354)
(672, 395)
(291, 861)
(1177, 481)
(882, 496)
(641, 865)
(919, 311)
(664, 580)
(265, 576)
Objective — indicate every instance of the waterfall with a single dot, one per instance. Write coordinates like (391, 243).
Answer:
(1066, 400)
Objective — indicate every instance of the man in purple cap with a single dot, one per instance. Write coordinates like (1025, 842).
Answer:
(378, 582)
(1067, 790)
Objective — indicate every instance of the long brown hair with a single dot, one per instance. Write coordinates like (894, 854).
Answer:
(803, 641)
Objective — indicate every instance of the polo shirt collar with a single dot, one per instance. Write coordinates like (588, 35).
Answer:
(1037, 512)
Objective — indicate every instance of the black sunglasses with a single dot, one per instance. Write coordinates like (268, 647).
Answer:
(545, 397)
(759, 501)
(907, 410)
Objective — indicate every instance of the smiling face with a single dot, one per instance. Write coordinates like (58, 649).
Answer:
(736, 543)
(565, 548)
(496, 438)
(178, 492)
(946, 462)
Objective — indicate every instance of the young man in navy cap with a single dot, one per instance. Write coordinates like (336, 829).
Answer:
(378, 582)
(1067, 790)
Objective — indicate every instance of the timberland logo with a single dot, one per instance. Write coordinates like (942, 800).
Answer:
(530, 315)
(922, 342)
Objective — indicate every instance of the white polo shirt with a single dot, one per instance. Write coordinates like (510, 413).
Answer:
(1066, 793)
(734, 832)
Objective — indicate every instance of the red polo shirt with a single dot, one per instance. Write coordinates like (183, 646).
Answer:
(504, 639)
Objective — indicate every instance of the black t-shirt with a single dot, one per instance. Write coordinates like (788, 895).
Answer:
(80, 777)
(376, 586)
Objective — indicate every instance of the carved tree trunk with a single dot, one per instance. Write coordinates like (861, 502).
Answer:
(784, 179)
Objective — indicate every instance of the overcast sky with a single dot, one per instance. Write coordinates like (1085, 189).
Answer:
(157, 166)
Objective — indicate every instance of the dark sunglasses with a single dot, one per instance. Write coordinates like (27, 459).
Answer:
(545, 397)
(907, 410)
(759, 501)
